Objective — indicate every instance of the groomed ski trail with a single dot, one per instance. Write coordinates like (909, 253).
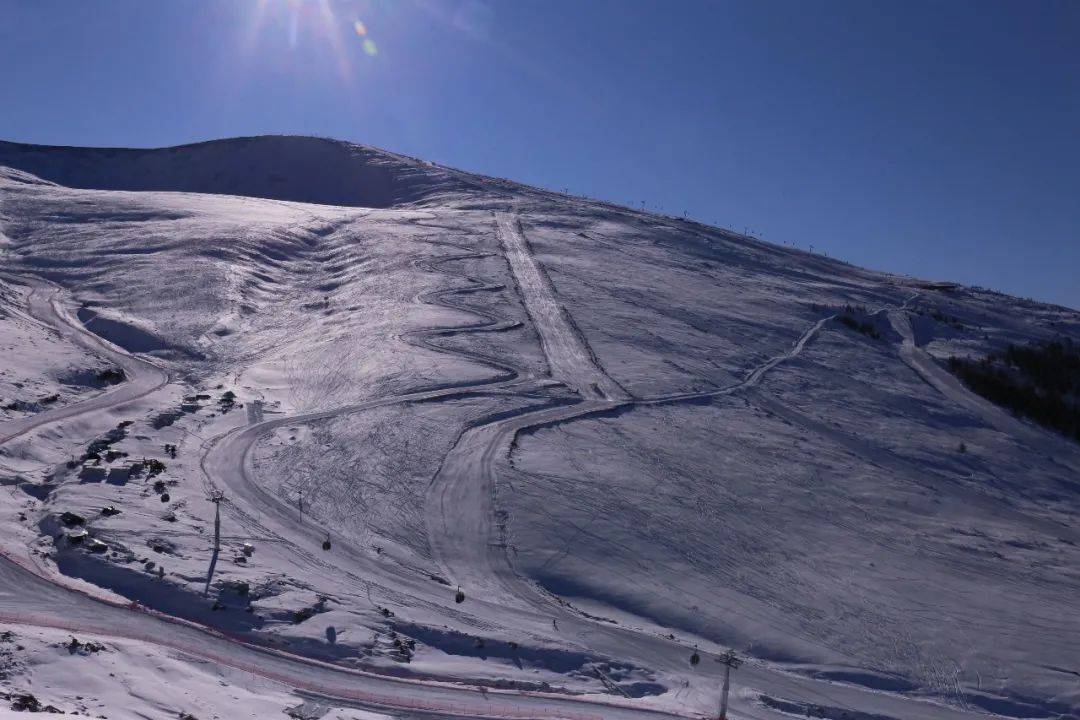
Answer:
(568, 356)
(481, 448)
(466, 540)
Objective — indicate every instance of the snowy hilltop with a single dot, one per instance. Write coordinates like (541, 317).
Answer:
(293, 425)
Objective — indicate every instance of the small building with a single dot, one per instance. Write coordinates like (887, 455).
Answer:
(118, 475)
(92, 473)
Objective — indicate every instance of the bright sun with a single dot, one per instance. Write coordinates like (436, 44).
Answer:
(333, 25)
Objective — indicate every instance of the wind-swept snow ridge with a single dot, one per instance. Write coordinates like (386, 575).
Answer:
(300, 169)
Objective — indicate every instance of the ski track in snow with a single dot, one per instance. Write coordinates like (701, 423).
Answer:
(464, 534)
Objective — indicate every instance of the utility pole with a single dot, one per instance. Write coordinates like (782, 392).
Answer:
(730, 661)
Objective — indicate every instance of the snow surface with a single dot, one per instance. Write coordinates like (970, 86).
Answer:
(621, 436)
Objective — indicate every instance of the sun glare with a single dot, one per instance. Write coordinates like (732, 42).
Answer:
(306, 22)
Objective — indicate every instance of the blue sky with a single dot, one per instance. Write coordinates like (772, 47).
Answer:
(940, 139)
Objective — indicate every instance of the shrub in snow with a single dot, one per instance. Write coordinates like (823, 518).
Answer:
(28, 703)
(848, 320)
(70, 519)
(1036, 381)
(111, 376)
(227, 401)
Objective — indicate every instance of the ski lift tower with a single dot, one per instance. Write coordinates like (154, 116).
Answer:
(729, 661)
(217, 497)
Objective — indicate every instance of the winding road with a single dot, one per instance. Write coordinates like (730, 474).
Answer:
(142, 377)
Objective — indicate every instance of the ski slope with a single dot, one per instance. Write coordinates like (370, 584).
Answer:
(621, 437)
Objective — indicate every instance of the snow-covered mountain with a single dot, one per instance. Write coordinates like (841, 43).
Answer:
(471, 434)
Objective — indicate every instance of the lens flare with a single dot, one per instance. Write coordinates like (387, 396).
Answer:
(309, 29)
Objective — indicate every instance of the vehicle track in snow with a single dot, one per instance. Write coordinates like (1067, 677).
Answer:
(464, 535)
(228, 462)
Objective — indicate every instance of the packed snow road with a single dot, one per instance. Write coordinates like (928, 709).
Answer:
(26, 599)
